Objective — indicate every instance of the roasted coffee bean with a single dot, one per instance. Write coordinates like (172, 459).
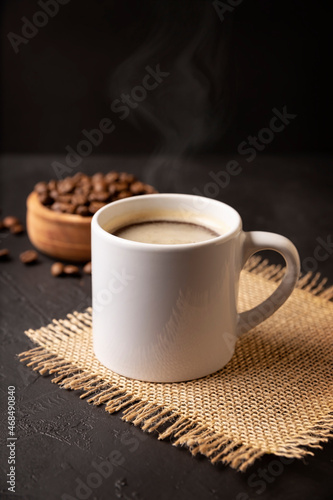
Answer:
(71, 270)
(137, 187)
(29, 257)
(70, 208)
(97, 177)
(54, 194)
(84, 190)
(45, 198)
(17, 229)
(123, 194)
(10, 221)
(149, 189)
(100, 186)
(111, 177)
(57, 269)
(84, 181)
(4, 254)
(67, 208)
(79, 199)
(78, 176)
(95, 205)
(57, 207)
(125, 177)
(120, 186)
(87, 268)
(82, 210)
(102, 196)
(65, 198)
(41, 187)
(66, 186)
(85, 195)
(112, 188)
(52, 184)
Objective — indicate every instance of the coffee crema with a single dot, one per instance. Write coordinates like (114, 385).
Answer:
(165, 232)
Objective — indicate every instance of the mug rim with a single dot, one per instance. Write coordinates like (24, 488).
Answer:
(96, 225)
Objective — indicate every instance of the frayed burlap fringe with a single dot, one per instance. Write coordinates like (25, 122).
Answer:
(101, 386)
(149, 416)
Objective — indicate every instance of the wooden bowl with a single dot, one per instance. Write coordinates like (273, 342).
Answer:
(62, 236)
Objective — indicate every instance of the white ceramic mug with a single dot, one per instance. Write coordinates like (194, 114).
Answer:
(168, 313)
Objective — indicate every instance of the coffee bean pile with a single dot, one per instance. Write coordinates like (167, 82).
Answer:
(84, 195)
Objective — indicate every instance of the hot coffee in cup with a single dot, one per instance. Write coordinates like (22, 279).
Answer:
(165, 273)
(166, 232)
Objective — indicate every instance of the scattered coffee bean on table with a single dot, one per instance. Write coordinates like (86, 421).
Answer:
(84, 195)
(71, 270)
(29, 257)
(57, 269)
(10, 221)
(4, 254)
(87, 268)
(16, 229)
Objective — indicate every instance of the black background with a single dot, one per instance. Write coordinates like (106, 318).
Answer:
(263, 55)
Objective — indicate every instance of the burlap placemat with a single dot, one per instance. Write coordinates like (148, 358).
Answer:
(274, 396)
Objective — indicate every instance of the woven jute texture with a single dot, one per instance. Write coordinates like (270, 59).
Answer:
(274, 396)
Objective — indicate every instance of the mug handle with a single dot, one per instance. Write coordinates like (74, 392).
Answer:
(253, 242)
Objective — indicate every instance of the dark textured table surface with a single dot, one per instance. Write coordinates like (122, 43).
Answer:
(60, 438)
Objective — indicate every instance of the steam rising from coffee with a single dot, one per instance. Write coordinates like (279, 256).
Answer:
(189, 109)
